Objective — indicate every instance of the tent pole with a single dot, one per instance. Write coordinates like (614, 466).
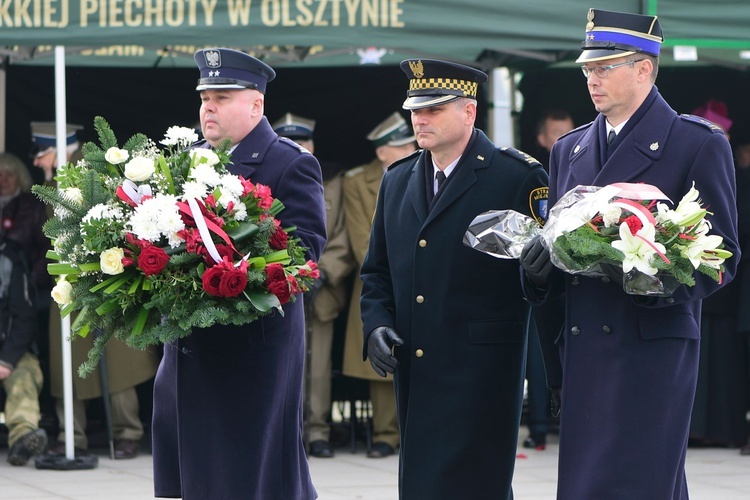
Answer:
(501, 129)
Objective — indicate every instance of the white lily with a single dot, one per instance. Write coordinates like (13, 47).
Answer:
(689, 211)
(705, 250)
(638, 249)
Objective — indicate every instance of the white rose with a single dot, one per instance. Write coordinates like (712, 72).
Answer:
(111, 261)
(203, 155)
(116, 156)
(139, 169)
(73, 194)
(62, 293)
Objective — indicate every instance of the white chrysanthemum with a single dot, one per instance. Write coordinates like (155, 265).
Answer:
(193, 190)
(225, 199)
(231, 185)
(206, 174)
(115, 156)
(611, 215)
(204, 156)
(156, 217)
(179, 136)
(240, 212)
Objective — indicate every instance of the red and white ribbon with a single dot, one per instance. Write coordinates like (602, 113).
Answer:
(134, 192)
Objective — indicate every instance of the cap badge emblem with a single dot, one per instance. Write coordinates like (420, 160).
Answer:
(590, 18)
(417, 68)
(213, 58)
(654, 146)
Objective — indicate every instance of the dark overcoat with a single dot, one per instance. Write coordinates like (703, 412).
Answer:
(227, 421)
(630, 363)
(460, 312)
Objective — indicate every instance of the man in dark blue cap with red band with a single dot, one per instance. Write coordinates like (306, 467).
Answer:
(454, 317)
(227, 418)
(629, 363)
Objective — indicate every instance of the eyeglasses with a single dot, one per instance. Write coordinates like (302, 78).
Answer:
(603, 71)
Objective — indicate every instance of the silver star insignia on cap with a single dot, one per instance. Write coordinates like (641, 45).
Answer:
(654, 146)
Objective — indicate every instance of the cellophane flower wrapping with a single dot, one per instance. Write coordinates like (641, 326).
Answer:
(628, 226)
(149, 243)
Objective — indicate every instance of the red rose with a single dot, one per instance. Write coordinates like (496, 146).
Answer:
(224, 251)
(233, 282)
(152, 260)
(634, 223)
(281, 290)
(212, 280)
(276, 282)
(278, 240)
(275, 272)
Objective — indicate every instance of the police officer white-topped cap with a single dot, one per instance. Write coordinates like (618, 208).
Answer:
(231, 69)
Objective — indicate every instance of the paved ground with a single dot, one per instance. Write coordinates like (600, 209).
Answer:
(713, 474)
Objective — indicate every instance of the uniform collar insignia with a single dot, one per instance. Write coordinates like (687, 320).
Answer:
(654, 146)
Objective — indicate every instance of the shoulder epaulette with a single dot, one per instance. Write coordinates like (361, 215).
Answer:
(404, 159)
(289, 142)
(577, 129)
(702, 121)
(520, 155)
(355, 171)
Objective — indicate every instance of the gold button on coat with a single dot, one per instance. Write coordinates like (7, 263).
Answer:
(420, 299)
(422, 243)
(419, 353)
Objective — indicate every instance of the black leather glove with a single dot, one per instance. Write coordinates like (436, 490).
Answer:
(536, 263)
(555, 402)
(379, 344)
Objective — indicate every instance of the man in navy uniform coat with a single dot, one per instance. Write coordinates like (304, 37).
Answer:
(630, 362)
(455, 316)
(227, 418)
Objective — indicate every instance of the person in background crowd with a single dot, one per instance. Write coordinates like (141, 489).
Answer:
(392, 139)
(228, 399)
(552, 124)
(126, 367)
(20, 371)
(447, 320)
(630, 362)
(742, 166)
(327, 297)
(718, 417)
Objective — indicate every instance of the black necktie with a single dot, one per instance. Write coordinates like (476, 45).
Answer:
(440, 178)
(611, 137)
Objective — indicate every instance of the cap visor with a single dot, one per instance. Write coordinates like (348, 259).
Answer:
(601, 55)
(401, 141)
(426, 101)
(218, 86)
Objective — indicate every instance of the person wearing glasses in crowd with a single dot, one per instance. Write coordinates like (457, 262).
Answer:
(630, 363)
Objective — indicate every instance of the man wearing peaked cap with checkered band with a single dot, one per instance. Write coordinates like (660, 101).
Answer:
(446, 320)
(228, 399)
(630, 362)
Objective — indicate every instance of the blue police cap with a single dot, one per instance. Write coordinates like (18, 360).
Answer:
(295, 127)
(434, 82)
(43, 135)
(231, 69)
(617, 34)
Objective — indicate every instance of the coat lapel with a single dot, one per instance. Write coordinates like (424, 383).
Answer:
(416, 188)
(477, 156)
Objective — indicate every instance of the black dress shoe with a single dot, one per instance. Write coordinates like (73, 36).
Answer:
(126, 448)
(321, 449)
(30, 444)
(380, 450)
(536, 441)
